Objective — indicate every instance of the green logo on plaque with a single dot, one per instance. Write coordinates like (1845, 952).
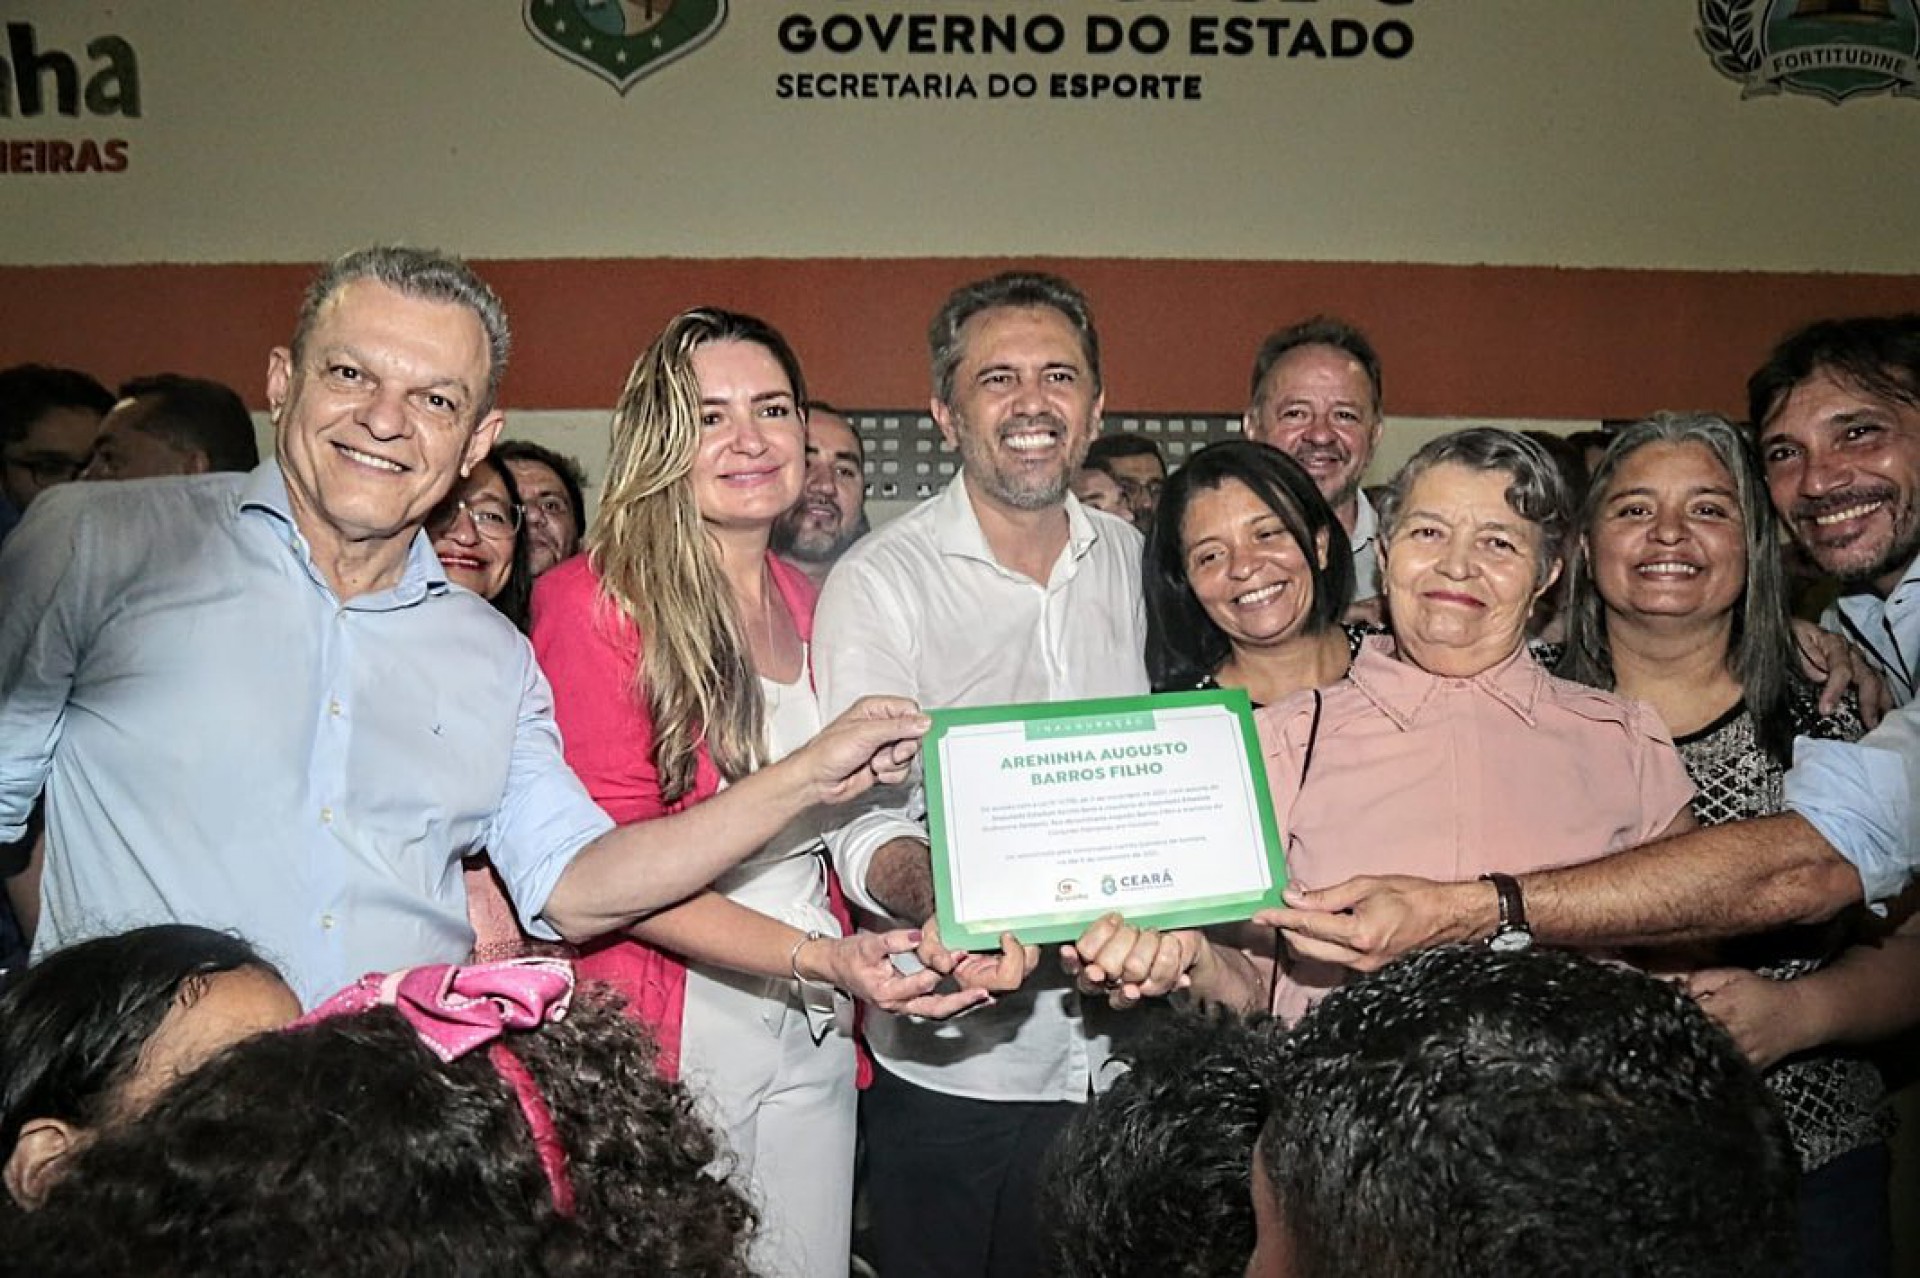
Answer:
(622, 40)
(1830, 48)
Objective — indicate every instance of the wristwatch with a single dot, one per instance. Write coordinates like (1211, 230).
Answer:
(1513, 935)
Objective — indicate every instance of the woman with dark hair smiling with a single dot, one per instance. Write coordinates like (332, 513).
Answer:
(480, 533)
(1247, 574)
(484, 542)
(1678, 599)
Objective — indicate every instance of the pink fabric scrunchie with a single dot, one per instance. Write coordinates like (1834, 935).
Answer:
(455, 1010)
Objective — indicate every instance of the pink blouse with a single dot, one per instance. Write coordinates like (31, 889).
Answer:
(1411, 773)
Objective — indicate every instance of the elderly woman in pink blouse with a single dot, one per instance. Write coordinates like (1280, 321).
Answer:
(1447, 751)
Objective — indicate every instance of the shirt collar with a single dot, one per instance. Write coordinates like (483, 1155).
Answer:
(265, 492)
(1901, 597)
(1366, 522)
(957, 528)
(1402, 690)
(1864, 606)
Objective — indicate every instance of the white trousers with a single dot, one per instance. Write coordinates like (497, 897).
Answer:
(784, 1106)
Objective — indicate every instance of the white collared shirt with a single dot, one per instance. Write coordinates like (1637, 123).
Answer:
(1366, 559)
(922, 609)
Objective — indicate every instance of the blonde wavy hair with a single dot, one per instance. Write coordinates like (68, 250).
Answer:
(659, 569)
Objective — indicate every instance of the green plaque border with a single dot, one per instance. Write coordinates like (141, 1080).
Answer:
(1066, 925)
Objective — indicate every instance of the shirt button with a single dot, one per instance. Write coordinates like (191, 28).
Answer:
(326, 922)
(333, 708)
(326, 816)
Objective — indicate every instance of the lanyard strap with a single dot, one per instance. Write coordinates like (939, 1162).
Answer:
(1306, 766)
(1901, 670)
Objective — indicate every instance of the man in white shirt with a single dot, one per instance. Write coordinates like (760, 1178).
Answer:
(1004, 589)
(1316, 398)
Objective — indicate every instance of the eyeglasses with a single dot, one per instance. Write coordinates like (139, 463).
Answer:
(48, 468)
(550, 508)
(496, 521)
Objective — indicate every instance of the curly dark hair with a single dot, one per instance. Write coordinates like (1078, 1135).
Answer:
(346, 1147)
(1151, 1178)
(1464, 1112)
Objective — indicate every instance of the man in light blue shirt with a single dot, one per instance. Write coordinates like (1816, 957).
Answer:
(255, 702)
(1837, 408)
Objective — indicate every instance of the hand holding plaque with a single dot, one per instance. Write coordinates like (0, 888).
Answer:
(1043, 818)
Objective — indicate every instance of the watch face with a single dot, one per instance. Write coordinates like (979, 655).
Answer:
(1510, 941)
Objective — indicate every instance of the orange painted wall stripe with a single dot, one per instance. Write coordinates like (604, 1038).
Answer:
(1457, 341)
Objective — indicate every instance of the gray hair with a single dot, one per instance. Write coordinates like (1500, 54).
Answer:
(1020, 290)
(1538, 491)
(1761, 651)
(426, 274)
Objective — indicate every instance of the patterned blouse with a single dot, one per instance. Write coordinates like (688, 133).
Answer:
(1834, 1102)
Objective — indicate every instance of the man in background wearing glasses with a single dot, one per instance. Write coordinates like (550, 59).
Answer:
(48, 420)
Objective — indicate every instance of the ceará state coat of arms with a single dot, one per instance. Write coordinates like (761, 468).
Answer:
(622, 40)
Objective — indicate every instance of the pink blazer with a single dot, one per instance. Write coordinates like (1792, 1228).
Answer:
(589, 654)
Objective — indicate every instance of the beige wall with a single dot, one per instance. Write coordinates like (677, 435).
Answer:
(1516, 131)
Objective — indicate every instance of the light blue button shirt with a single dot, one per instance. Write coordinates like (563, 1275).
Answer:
(1861, 796)
(222, 741)
(1887, 629)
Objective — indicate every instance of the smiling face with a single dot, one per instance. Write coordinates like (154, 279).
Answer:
(1025, 408)
(379, 417)
(1668, 539)
(751, 460)
(1460, 571)
(1843, 468)
(553, 534)
(473, 532)
(1245, 567)
(835, 493)
(1317, 406)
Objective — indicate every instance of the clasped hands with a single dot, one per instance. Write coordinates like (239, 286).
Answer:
(1112, 958)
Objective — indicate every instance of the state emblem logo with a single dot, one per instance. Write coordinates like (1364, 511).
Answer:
(622, 40)
(1833, 49)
